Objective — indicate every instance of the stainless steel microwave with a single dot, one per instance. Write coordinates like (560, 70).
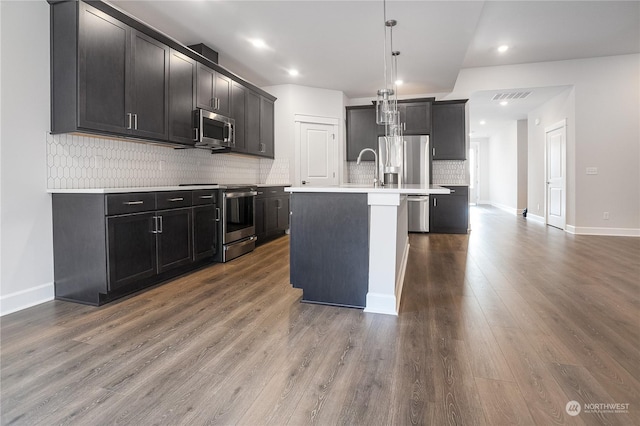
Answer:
(214, 131)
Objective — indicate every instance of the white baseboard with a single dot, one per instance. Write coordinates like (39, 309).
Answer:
(611, 232)
(378, 303)
(24, 299)
(536, 218)
(484, 202)
(507, 209)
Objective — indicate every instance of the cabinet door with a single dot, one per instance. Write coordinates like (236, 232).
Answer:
(450, 213)
(362, 132)
(260, 217)
(271, 214)
(103, 55)
(252, 130)
(206, 87)
(149, 87)
(222, 93)
(132, 249)
(416, 118)
(283, 213)
(266, 127)
(449, 132)
(174, 238)
(238, 105)
(182, 98)
(205, 235)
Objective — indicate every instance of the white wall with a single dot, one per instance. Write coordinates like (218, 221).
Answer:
(603, 130)
(301, 100)
(522, 155)
(503, 167)
(26, 242)
(484, 165)
(546, 115)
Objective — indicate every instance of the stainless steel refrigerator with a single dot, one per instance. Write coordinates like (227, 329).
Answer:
(416, 171)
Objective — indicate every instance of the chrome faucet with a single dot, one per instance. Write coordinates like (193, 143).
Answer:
(376, 177)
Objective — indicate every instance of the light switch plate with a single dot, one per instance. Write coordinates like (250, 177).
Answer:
(592, 170)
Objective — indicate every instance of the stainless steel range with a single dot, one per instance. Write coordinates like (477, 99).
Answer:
(238, 221)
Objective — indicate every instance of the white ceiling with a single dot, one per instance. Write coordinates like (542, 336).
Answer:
(339, 44)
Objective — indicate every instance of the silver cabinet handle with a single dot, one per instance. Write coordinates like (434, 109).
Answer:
(206, 197)
(217, 214)
(452, 191)
(160, 231)
(404, 126)
(240, 194)
(129, 116)
(132, 203)
(435, 201)
(434, 151)
(175, 199)
(155, 225)
(279, 205)
(135, 121)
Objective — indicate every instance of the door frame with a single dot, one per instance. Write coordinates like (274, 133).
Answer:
(339, 154)
(476, 147)
(562, 124)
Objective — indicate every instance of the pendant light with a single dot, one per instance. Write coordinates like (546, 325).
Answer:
(385, 106)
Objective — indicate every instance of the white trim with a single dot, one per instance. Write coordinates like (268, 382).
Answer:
(27, 298)
(400, 278)
(484, 202)
(507, 209)
(609, 232)
(536, 218)
(298, 119)
(381, 303)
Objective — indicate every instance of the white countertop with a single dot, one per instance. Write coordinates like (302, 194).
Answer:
(353, 188)
(148, 189)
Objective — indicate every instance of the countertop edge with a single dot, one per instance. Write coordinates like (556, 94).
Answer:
(432, 189)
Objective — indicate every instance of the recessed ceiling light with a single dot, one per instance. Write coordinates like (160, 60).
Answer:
(482, 122)
(258, 43)
(504, 103)
(503, 48)
(399, 82)
(293, 72)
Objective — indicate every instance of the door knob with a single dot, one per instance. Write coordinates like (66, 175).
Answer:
(304, 182)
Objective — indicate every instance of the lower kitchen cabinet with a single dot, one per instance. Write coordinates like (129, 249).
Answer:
(449, 213)
(272, 213)
(107, 246)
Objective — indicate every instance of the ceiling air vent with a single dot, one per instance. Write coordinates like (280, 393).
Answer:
(510, 96)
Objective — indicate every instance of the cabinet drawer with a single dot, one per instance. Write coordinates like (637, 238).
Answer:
(204, 196)
(270, 191)
(131, 202)
(173, 199)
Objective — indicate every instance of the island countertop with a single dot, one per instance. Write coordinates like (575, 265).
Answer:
(352, 188)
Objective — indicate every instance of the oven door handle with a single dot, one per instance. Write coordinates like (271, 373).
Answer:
(240, 194)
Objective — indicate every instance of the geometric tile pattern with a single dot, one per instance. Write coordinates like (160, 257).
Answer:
(449, 172)
(361, 174)
(75, 161)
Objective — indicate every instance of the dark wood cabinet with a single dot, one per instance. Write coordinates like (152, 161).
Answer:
(122, 76)
(272, 213)
(182, 98)
(449, 133)
(107, 246)
(259, 129)
(415, 118)
(239, 114)
(362, 131)
(449, 213)
(131, 249)
(174, 238)
(103, 67)
(214, 91)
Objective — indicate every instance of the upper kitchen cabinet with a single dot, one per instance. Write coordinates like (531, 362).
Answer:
(362, 131)
(214, 91)
(449, 132)
(415, 117)
(238, 113)
(259, 128)
(182, 98)
(121, 84)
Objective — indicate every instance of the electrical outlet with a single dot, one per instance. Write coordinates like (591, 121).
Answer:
(592, 170)
(605, 215)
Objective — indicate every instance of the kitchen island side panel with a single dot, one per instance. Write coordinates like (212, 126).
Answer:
(330, 247)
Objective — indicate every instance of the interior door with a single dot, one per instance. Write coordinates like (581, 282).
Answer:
(318, 154)
(555, 137)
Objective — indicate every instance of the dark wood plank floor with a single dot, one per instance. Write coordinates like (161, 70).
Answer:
(502, 326)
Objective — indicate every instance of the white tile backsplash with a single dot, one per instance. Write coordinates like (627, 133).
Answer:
(75, 161)
(449, 172)
(362, 173)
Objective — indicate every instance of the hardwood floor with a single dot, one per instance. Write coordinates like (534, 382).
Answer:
(505, 325)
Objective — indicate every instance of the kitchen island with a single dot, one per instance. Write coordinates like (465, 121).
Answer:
(350, 244)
